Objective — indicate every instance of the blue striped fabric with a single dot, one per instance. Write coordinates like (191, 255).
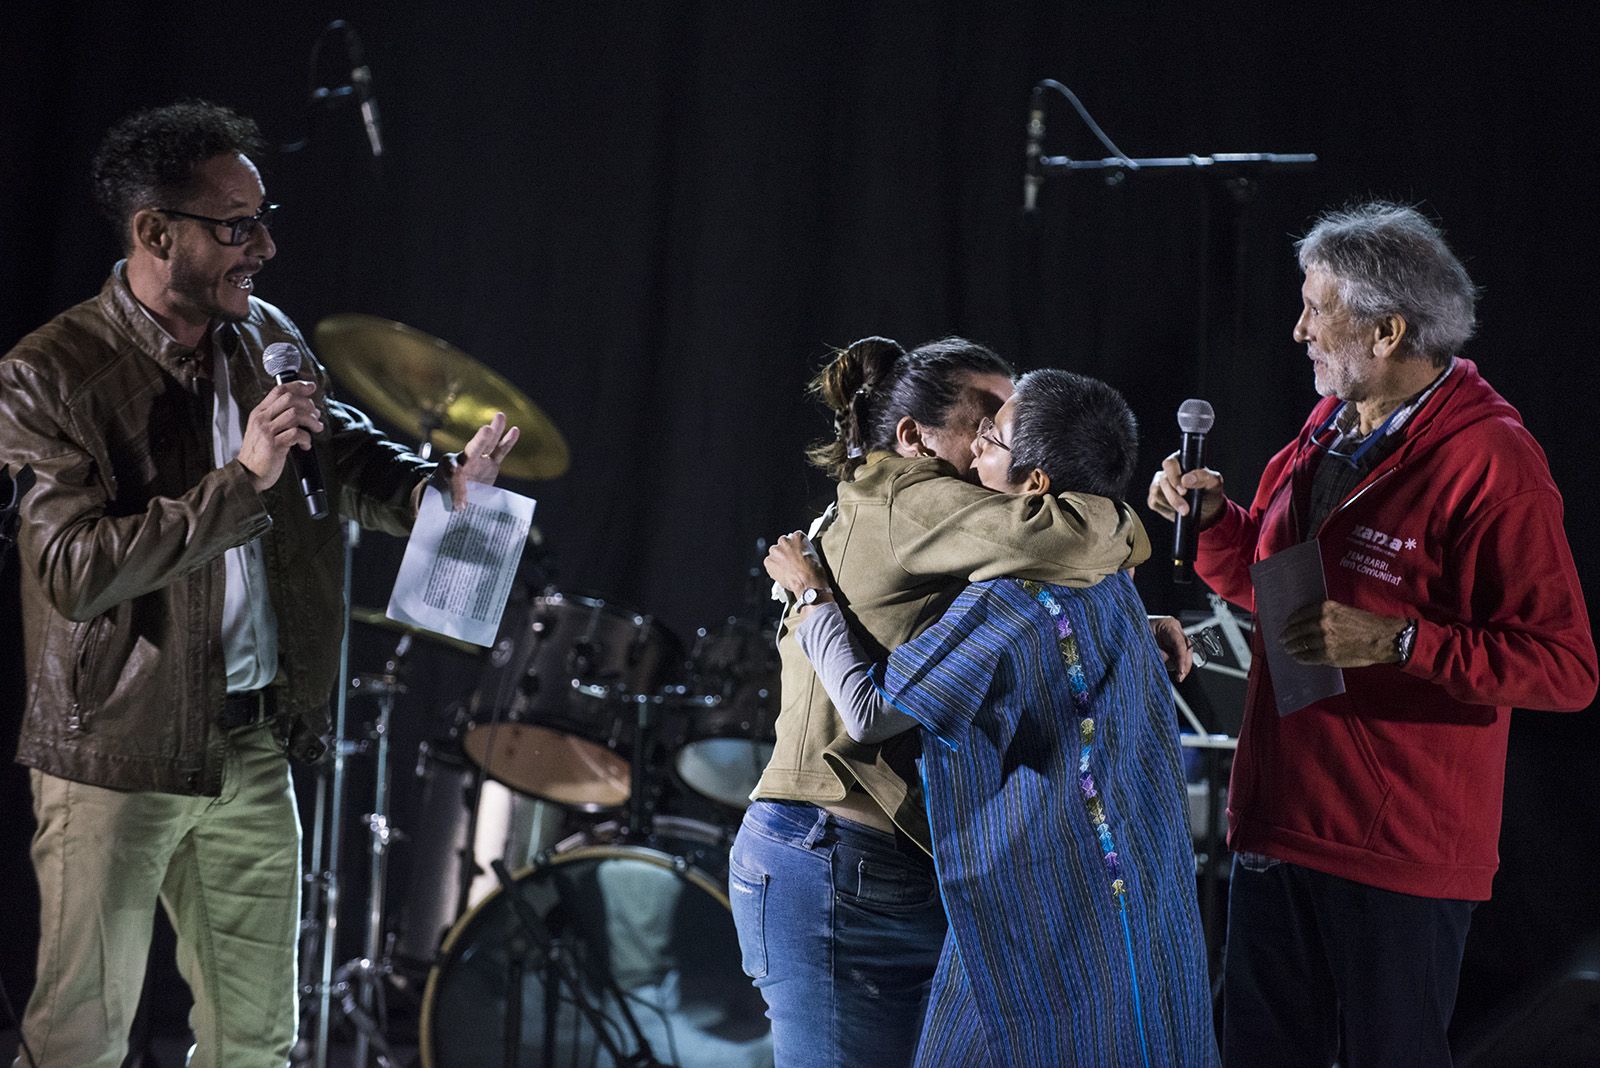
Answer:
(1039, 958)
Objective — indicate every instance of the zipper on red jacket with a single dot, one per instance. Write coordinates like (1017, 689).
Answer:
(1294, 510)
(1353, 498)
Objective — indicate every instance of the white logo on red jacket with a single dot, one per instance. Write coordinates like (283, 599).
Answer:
(1372, 553)
(1378, 539)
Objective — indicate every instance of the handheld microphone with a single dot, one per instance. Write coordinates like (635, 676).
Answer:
(282, 362)
(1033, 175)
(1195, 418)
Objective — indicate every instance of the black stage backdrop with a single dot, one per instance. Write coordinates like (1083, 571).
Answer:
(654, 219)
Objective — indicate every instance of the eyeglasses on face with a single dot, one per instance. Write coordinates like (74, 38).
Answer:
(987, 431)
(241, 228)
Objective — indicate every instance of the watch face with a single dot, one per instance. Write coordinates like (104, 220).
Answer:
(809, 596)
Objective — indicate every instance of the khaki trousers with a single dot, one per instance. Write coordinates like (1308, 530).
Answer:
(227, 871)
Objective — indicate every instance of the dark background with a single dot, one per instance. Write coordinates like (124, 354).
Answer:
(654, 219)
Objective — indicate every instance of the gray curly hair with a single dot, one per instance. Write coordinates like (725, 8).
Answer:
(1388, 259)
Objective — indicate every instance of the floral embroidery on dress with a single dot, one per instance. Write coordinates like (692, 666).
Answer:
(1093, 805)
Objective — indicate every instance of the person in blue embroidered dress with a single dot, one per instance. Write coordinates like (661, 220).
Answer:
(1054, 787)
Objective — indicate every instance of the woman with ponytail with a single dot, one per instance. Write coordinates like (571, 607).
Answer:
(839, 917)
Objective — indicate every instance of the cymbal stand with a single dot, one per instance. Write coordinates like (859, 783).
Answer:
(357, 983)
(368, 971)
(319, 922)
(320, 915)
(641, 805)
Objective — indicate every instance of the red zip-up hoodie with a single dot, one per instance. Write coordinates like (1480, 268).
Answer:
(1398, 782)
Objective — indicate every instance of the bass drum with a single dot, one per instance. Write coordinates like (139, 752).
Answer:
(645, 925)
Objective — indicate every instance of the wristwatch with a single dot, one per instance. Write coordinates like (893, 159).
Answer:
(1403, 641)
(809, 595)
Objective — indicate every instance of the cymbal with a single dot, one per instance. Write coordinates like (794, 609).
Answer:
(410, 378)
(374, 618)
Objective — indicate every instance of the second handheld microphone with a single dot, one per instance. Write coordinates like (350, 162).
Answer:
(1195, 418)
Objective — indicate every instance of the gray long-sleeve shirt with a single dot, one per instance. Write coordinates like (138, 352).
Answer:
(845, 672)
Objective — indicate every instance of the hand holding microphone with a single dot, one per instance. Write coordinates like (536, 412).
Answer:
(285, 418)
(1185, 490)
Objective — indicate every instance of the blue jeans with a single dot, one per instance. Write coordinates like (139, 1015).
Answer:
(840, 927)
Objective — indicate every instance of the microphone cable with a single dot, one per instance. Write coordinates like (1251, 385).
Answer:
(1088, 120)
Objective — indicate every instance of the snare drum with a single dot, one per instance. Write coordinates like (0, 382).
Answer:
(646, 923)
(731, 712)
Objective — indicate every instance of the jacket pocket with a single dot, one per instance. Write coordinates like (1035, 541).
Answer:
(90, 672)
(1375, 802)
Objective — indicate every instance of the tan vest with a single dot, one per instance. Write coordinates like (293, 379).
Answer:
(908, 537)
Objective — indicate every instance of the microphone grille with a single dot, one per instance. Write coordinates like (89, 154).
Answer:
(281, 357)
(1195, 416)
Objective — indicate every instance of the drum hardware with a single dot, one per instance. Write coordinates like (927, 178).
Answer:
(319, 921)
(438, 393)
(364, 1006)
(351, 978)
(560, 972)
(646, 929)
(641, 799)
(355, 990)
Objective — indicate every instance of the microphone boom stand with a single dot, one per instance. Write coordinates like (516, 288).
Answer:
(1116, 167)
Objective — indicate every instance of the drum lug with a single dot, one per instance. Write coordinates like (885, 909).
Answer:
(383, 832)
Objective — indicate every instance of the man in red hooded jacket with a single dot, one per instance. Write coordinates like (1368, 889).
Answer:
(1365, 825)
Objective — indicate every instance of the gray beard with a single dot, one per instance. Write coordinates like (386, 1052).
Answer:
(1336, 379)
(196, 290)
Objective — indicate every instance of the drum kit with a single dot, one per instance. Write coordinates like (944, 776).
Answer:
(566, 894)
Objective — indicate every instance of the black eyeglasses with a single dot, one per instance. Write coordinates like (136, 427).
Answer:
(241, 228)
(987, 431)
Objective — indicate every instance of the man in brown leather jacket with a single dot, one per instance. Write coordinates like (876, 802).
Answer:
(181, 607)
